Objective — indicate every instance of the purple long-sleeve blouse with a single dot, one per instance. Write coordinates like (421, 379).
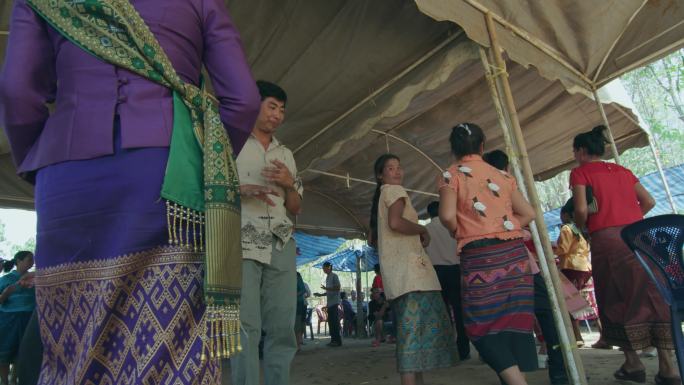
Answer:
(43, 67)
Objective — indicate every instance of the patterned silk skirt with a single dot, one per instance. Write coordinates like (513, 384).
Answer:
(425, 337)
(116, 303)
(632, 312)
(498, 302)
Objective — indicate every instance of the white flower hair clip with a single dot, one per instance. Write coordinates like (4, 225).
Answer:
(465, 127)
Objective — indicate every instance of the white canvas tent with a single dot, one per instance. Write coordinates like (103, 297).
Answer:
(357, 70)
(585, 44)
(352, 67)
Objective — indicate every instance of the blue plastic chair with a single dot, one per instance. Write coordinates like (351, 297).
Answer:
(658, 241)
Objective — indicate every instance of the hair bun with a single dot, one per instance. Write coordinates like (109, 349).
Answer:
(599, 130)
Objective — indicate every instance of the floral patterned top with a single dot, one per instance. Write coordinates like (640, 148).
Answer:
(484, 205)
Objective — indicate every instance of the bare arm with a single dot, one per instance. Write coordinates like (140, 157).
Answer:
(293, 201)
(522, 210)
(645, 199)
(401, 225)
(579, 198)
(447, 209)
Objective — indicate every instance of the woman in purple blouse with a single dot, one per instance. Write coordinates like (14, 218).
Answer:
(116, 303)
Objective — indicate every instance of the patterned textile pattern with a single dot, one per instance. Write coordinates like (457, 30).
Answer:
(122, 319)
(498, 289)
(425, 337)
(201, 174)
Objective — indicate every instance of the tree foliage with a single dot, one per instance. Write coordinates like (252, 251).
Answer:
(8, 249)
(657, 91)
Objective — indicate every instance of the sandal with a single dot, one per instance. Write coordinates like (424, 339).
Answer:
(635, 376)
(660, 380)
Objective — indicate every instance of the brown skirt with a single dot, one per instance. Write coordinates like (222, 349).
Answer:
(632, 312)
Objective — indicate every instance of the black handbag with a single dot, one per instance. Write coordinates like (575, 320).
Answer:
(592, 204)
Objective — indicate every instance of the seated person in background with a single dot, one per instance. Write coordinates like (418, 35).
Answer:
(349, 314)
(378, 314)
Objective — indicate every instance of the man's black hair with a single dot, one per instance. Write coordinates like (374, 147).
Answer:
(433, 209)
(268, 89)
(497, 159)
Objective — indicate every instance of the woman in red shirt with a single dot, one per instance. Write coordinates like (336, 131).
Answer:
(632, 312)
(377, 281)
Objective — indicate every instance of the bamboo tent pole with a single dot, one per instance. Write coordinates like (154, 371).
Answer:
(510, 147)
(515, 166)
(659, 165)
(359, 304)
(568, 346)
(611, 139)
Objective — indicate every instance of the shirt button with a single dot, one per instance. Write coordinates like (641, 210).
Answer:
(122, 99)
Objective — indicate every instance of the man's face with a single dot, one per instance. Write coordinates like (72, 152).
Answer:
(271, 115)
(327, 269)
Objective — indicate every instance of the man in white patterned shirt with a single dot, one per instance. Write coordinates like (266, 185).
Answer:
(270, 190)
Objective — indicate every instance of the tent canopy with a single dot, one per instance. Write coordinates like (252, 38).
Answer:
(345, 260)
(584, 44)
(312, 247)
(355, 70)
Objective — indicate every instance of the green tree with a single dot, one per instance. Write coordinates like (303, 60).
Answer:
(657, 93)
(29, 245)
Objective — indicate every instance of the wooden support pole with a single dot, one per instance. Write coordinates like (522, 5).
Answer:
(611, 139)
(360, 327)
(659, 166)
(568, 344)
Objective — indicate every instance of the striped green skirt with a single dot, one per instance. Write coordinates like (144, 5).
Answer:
(425, 337)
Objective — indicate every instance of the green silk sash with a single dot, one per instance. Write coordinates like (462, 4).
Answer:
(201, 184)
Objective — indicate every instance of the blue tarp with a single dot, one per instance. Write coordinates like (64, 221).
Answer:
(345, 260)
(312, 247)
(652, 183)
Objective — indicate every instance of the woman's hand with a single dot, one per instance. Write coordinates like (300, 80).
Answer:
(27, 280)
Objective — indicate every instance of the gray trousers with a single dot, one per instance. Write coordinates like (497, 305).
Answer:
(268, 302)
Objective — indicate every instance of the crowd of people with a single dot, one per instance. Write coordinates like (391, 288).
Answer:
(169, 287)
(502, 293)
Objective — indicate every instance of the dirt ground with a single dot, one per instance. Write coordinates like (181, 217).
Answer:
(357, 363)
